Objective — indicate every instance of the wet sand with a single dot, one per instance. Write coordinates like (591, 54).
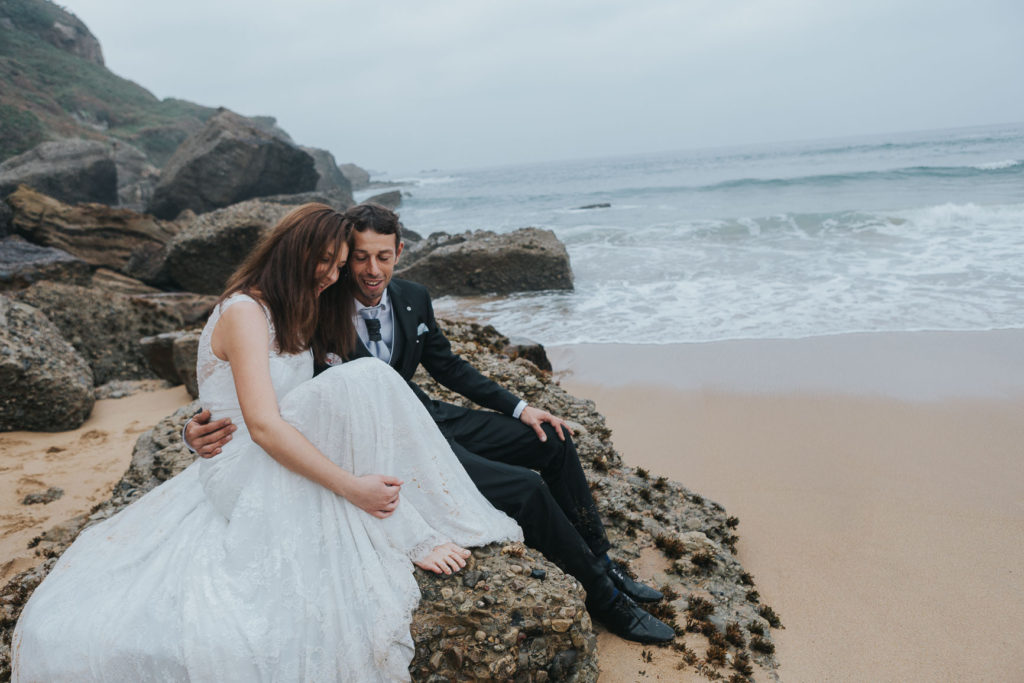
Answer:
(879, 480)
(85, 463)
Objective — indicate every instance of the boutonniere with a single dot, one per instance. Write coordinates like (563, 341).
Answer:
(422, 329)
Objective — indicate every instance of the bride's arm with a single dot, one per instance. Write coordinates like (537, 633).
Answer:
(242, 338)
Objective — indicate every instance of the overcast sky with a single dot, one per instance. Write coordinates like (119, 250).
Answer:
(402, 85)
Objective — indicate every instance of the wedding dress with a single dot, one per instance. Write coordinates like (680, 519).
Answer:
(238, 569)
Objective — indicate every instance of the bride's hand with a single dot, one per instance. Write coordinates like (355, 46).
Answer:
(376, 494)
(444, 559)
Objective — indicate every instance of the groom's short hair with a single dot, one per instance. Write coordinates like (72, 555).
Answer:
(379, 219)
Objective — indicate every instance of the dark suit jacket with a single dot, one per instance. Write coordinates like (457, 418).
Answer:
(413, 309)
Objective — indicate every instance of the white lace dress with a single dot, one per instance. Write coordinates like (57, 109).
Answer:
(240, 570)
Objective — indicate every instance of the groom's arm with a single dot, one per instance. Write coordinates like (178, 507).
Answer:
(206, 437)
(454, 372)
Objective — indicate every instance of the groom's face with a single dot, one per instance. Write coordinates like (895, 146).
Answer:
(371, 264)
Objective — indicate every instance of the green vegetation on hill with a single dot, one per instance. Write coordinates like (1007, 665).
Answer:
(49, 92)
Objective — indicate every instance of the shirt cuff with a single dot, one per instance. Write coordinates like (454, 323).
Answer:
(190, 449)
(515, 413)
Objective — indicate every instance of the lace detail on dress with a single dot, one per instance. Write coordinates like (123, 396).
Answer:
(206, 361)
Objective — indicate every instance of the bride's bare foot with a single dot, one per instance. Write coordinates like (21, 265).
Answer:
(446, 558)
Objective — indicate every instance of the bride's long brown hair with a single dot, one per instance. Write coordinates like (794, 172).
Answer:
(281, 272)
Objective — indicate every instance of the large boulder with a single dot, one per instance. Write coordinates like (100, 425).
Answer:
(204, 254)
(391, 199)
(47, 385)
(6, 214)
(22, 263)
(230, 160)
(337, 199)
(70, 170)
(484, 262)
(331, 177)
(104, 326)
(357, 177)
(119, 239)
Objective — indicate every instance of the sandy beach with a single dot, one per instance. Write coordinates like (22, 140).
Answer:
(878, 479)
(85, 463)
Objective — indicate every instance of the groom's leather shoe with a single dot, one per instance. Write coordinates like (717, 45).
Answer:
(625, 583)
(626, 619)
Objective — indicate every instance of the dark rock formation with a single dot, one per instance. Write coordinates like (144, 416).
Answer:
(5, 218)
(47, 385)
(104, 327)
(521, 347)
(228, 161)
(391, 199)
(203, 255)
(331, 177)
(22, 263)
(122, 240)
(71, 170)
(602, 205)
(112, 281)
(484, 262)
(159, 352)
(512, 615)
(358, 178)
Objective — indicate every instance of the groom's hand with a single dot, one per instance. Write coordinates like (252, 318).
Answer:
(207, 438)
(535, 417)
(376, 494)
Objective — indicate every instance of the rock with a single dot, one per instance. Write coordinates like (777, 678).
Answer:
(391, 200)
(47, 385)
(43, 497)
(228, 161)
(22, 263)
(5, 218)
(521, 347)
(119, 239)
(331, 177)
(136, 176)
(183, 353)
(339, 200)
(71, 171)
(112, 281)
(357, 177)
(204, 254)
(122, 388)
(602, 205)
(70, 34)
(104, 327)
(159, 353)
(483, 262)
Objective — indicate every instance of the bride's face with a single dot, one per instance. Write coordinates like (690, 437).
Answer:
(328, 267)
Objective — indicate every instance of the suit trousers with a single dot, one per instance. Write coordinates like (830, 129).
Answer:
(553, 504)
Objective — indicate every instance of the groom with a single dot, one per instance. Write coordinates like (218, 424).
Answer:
(521, 458)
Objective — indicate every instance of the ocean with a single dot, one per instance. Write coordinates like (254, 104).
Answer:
(900, 232)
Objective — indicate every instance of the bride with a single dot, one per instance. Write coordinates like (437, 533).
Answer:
(288, 557)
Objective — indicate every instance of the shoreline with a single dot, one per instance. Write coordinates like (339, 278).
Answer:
(877, 479)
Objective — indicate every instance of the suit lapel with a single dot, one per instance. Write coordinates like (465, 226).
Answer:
(405, 323)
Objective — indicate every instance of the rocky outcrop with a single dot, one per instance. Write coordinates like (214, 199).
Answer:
(331, 177)
(23, 263)
(357, 177)
(119, 239)
(203, 255)
(71, 170)
(391, 199)
(136, 176)
(6, 214)
(183, 354)
(230, 160)
(511, 614)
(105, 327)
(172, 356)
(47, 385)
(484, 262)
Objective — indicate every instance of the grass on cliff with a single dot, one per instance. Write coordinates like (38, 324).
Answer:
(47, 93)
